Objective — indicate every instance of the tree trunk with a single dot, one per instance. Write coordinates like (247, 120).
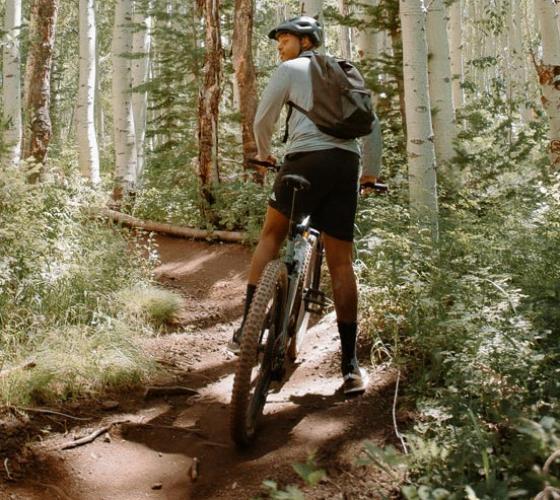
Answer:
(397, 45)
(141, 43)
(87, 140)
(38, 130)
(455, 32)
(123, 120)
(245, 74)
(313, 8)
(548, 70)
(345, 43)
(420, 147)
(366, 39)
(209, 100)
(517, 60)
(441, 97)
(11, 90)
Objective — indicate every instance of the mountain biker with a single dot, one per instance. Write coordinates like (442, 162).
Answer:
(331, 165)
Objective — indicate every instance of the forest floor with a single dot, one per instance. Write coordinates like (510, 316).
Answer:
(178, 447)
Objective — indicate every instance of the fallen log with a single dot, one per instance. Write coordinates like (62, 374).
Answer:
(160, 227)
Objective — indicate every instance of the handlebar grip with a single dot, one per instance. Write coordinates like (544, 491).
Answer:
(378, 187)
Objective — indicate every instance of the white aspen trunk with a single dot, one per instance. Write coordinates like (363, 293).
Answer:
(11, 90)
(88, 152)
(518, 60)
(314, 8)
(123, 119)
(311, 8)
(366, 39)
(441, 95)
(549, 73)
(344, 32)
(141, 43)
(455, 33)
(420, 147)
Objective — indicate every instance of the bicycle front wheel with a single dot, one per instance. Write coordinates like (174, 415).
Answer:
(254, 368)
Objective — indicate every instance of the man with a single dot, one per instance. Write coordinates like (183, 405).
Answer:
(331, 165)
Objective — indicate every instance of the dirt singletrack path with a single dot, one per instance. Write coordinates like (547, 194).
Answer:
(178, 447)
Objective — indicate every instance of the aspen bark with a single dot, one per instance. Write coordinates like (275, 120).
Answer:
(366, 38)
(441, 96)
(420, 147)
(141, 43)
(344, 32)
(208, 103)
(311, 8)
(548, 70)
(11, 89)
(245, 76)
(37, 95)
(455, 33)
(123, 118)
(88, 152)
(314, 8)
(518, 60)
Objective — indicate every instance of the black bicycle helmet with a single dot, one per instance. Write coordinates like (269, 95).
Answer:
(300, 26)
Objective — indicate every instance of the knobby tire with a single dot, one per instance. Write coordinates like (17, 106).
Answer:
(263, 321)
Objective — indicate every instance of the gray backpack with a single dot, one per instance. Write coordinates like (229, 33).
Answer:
(342, 105)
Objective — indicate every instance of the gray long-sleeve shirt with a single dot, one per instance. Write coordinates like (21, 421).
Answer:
(291, 81)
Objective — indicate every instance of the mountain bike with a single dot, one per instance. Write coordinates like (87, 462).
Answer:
(287, 293)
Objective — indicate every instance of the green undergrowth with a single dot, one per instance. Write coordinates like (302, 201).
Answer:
(473, 325)
(171, 195)
(76, 294)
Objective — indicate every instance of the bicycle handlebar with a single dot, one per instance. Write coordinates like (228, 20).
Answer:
(260, 163)
(378, 187)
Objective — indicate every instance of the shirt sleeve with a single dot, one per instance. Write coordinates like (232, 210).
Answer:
(275, 95)
(372, 150)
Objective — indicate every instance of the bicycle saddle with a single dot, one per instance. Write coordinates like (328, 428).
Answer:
(296, 182)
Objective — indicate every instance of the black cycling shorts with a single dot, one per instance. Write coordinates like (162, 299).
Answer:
(333, 197)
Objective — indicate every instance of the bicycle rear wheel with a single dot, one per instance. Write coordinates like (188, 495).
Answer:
(254, 368)
(299, 319)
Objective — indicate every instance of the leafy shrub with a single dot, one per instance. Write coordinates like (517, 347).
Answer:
(473, 323)
(60, 270)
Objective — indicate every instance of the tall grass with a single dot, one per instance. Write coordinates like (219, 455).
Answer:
(62, 276)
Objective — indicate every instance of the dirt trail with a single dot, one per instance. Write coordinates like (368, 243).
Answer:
(151, 455)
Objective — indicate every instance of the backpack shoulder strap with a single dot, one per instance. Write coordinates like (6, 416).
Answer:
(292, 105)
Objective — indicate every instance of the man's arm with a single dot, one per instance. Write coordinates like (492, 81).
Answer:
(372, 152)
(275, 95)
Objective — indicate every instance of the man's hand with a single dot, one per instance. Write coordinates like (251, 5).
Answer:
(367, 179)
(269, 159)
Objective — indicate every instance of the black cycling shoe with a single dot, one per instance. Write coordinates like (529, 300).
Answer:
(355, 382)
(234, 345)
(354, 378)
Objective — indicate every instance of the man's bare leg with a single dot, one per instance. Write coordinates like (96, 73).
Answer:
(345, 291)
(273, 234)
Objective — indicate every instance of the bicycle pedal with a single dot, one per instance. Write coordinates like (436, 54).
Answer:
(314, 300)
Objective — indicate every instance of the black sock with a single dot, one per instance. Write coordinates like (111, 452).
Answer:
(348, 334)
(248, 299)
